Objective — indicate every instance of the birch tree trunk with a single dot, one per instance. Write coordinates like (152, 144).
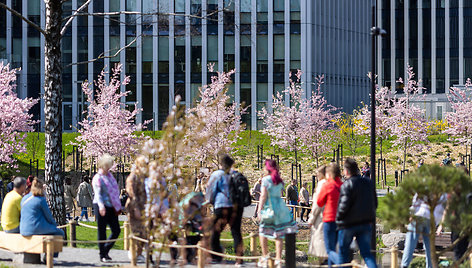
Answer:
(53, 110)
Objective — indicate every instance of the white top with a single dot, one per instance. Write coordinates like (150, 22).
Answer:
(420, 209)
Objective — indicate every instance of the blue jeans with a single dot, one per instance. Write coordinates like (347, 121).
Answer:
(415, 229)
(292, 209)
(13, 231)
(363, 235)
(330, 236)
(84, 213)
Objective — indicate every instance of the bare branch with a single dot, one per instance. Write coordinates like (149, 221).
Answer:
(16, 13)
(102, 55)
(69, 21)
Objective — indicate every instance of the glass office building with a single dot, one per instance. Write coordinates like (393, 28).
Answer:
(166, 47)
(433, 37)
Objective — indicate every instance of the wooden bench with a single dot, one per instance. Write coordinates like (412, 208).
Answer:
(35, 244)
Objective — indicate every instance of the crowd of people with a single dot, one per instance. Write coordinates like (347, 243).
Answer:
(342, 208)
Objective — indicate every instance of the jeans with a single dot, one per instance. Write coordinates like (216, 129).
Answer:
(330, 236)
(415, 229)
(224, 216)
(363, 235)
(13, 231)
(110, 219)
(84, 213)
(292, 209)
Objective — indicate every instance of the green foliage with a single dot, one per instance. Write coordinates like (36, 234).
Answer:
(418, 262)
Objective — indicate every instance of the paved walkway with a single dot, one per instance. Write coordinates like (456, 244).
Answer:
(81, 257)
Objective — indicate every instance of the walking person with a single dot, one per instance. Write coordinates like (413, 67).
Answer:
(69, 196)
(84, 197)
(304, 201)
(274, 215)
(328, 198)
(11, 207)
(106, 204)
(292, 196)
(421, 227)
(356, 214)
(256, 194)
(317, 245)
(219, 195)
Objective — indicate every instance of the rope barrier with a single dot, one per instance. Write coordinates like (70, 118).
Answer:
(231, 240)
(89, 241)
(229, 256)
(92, 227)
(354, 264)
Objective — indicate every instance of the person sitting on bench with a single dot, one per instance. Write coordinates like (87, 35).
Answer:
(12, 206)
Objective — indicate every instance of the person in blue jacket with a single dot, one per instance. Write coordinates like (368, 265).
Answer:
(36, 218)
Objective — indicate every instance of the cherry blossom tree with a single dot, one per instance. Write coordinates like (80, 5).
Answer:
(407, 121)
(284, 124)
(14, 118)
(108, 126)
(362, 119)
(460, 120)
(217, 121)
(318, 119)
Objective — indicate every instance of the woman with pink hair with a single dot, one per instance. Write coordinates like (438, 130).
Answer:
(275, 217)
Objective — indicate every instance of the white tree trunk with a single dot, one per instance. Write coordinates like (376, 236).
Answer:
(53, 110)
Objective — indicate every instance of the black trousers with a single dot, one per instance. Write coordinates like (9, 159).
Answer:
(461, 247)
(224, 216)
(110, 219)
(307, 209)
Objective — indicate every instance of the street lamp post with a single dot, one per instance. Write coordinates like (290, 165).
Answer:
(374, 32)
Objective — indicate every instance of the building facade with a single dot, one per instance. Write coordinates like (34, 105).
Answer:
(432, 36)
(165, 47)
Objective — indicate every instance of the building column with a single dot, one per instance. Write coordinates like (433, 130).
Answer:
(220, 36)
(171, 56)
(22, 89)
(188, 47)
(303, 47)
(447, 55)
(42, 17)
(106, 38)
(380, 79)
(461, 42)
(155, 68)
(75, 102)
(90, 41)
(237, 54)
(253, 65)
(433, 47)
(9, 33)
(139, 64)
(420, 45)
(406, 43)
(204, 44)
(270, 53)
(287, 48)
(122, 44)
(392, 46)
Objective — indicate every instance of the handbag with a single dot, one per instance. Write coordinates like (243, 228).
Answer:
(268, 214)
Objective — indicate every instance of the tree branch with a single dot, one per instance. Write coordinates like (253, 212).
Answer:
(102, 56)
(69, 21)
(16, 13)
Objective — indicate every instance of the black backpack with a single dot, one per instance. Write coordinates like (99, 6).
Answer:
(239, 190)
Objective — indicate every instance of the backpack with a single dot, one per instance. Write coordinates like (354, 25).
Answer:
(239, 190)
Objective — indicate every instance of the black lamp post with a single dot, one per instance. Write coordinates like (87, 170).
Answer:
(374, 32)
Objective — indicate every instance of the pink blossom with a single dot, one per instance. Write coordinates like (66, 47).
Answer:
(460, 120)
(14, 117)
(109, 126)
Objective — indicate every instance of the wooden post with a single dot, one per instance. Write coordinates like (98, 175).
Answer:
(72, 233)
(201, 255)
(290, 240)
(470, 258)
(394, 257)
(253, 244)
(126, 235)
(132, 245)
(50, 252)
(271, 262)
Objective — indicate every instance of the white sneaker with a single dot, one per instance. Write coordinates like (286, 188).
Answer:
(262, 262)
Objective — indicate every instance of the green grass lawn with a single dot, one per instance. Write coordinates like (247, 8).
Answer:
(88, 234)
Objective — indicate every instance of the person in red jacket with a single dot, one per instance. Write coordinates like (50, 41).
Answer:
(328, 197)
